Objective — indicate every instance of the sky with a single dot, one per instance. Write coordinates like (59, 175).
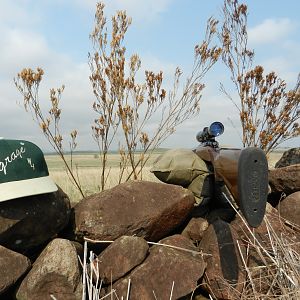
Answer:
(54, 35)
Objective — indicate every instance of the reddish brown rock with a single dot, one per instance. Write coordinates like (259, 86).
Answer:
(289, 208)
(285, 179)
(120, 257)
(195, 229)
(56, 272)
(145, 209)
(12, 266)
(163, 268)
(224, 275)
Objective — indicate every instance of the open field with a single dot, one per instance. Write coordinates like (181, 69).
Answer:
(90, 160)
(87, 167)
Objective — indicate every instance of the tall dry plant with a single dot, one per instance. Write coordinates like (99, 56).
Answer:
(128, 106)
(28, 83)
(123, 105)
(269, 112)
(270, 262)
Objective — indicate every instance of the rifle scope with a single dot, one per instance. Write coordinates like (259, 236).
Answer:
(209, 133)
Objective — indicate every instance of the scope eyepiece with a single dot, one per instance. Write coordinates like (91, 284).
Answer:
(216, 129)
(209, 133)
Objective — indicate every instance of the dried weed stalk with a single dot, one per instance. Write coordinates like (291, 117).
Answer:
(268, 111)
(270, 260)
(126, 105)
(28, 83)
(278, 274)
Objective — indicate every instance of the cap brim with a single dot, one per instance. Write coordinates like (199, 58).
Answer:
(28, 187)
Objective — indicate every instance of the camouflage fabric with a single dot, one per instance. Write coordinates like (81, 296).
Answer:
(182, 167)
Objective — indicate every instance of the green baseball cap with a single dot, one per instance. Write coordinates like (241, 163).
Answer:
(23, 170)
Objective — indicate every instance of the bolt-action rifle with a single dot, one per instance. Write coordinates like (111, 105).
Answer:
(243, 172)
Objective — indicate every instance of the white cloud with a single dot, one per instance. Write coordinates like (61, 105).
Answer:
(145, 10)
(286, 68)
(140, 11)
(153, 63)
(271, 31)
(24, 48)
(18, 13)
(19, 47)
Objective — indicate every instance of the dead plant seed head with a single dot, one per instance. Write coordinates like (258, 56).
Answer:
(125, 106)
(269, 113)
(28, 82)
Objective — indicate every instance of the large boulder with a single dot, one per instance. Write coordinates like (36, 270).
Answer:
(289, 157)
(289, 208)
(56, 272)
(31, 221)
(145, 209)
(124, 254)
(286, 179)
(163, 268)
(12, 266)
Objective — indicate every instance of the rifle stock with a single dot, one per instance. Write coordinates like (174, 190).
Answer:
(225, 165)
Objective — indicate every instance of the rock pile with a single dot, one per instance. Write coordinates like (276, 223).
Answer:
(152, 244)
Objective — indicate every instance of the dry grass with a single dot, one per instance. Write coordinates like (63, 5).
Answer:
(89, 179)
(273, 157)
(89, 173)
(277, 275)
